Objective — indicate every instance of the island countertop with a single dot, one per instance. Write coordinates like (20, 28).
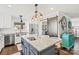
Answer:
(41, 43)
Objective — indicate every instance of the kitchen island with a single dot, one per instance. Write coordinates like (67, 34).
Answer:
(38, 46)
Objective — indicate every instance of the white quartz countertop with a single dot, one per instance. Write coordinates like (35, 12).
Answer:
(6, 31)
(42, 43)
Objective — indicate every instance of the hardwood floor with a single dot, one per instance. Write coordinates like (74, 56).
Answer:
(9, 50)
(76, 47)
(14, 49)
(74, 51)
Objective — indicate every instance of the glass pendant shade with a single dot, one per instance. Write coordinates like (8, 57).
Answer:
(38, 15)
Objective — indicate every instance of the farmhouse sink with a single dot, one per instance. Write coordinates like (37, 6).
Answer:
(31, 38)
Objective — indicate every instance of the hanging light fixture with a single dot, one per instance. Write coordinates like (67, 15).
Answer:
(21, 17)
(38, 15)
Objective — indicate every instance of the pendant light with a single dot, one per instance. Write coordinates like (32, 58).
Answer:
(38, 15)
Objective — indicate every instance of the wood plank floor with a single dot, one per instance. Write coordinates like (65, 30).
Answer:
(74, 51)
(14, 49)
(76, 47)
(9, 50)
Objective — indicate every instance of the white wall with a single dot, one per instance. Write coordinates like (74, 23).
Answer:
(75, 21)
(52, 26)
(75, 24)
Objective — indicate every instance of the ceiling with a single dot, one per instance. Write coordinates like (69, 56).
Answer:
(71, 10)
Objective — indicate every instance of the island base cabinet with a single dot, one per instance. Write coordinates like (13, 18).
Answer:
(50, 51)
(30, 50)
(31, 53)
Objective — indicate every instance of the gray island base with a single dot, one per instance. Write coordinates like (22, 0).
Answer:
(40, 46)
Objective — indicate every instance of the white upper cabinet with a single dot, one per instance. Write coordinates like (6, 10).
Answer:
(5, 21)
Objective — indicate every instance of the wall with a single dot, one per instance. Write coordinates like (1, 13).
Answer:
(52, 26)
(75, 21)
(75, 24)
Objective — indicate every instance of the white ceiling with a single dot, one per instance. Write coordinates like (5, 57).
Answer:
(70, 9)
(28, 9)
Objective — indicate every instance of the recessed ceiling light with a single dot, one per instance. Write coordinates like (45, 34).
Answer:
(9, 6)
(51, 8)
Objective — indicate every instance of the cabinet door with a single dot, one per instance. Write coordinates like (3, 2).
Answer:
(7, 39)
(5, 21)
(25, 47)
(33, 50)
(1, 42)
(0, 45)
(31, 53)
(12, 39)
(23, 50)
(17, 38)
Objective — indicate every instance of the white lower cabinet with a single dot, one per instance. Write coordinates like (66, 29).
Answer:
(1, 42)
(17, 38)
(9, 39)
